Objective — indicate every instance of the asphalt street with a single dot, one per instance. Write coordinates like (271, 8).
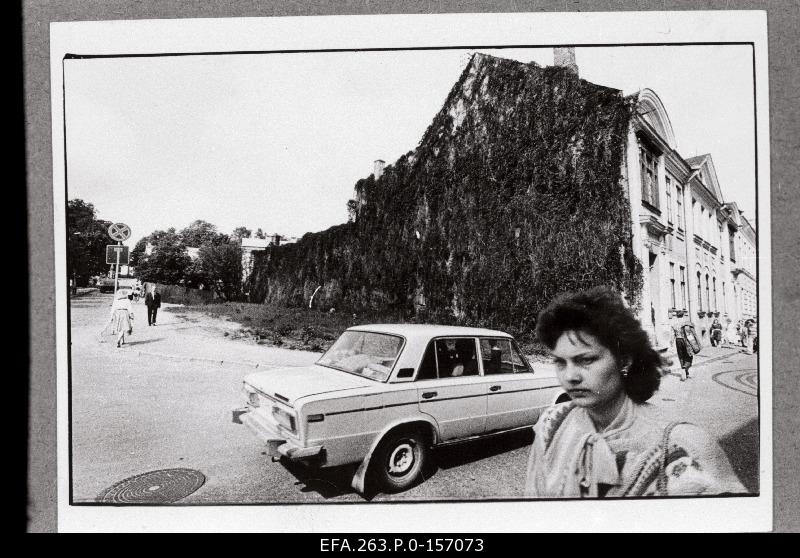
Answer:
(163, 401)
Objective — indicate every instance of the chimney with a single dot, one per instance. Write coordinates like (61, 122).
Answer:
(565, 57)
(379, 164)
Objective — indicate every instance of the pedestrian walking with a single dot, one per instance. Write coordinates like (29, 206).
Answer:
(731, 334)
(606, 442)
(742, 329)
(122, 317)
(686, 345)
(153, 302)
(751, 336)
(716, 333)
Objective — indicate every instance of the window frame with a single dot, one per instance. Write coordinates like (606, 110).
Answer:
(528, 368)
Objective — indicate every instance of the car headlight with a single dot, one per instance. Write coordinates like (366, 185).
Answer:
(284, 419)
(251, 396)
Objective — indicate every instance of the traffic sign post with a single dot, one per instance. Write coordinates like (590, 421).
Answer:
(111, 254)
(118, 232)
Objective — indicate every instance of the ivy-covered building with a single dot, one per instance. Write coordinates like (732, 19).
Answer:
(528, 182)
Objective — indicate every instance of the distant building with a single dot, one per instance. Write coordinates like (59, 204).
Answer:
(698, 251)
(251, 245)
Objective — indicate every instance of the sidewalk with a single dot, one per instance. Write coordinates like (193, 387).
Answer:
(707, 355)
(83, 291)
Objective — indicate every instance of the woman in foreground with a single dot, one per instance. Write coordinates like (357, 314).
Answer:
(607, 441)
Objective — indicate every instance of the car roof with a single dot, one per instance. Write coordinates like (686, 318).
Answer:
(428, 330)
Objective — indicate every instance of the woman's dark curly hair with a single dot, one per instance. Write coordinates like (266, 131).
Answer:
(601, 312)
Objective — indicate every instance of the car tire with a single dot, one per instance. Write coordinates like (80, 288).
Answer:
(400, 460)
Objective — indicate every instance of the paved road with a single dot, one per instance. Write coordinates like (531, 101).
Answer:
(163, 401)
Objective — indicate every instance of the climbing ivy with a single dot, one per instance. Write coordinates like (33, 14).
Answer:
(513, 195)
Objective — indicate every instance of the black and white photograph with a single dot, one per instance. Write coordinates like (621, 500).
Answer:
(309, 266)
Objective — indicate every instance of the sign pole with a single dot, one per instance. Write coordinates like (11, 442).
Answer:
(116, 275)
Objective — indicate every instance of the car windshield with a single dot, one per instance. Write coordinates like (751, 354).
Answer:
(367, 354)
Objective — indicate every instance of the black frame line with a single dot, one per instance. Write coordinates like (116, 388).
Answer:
(72, 56)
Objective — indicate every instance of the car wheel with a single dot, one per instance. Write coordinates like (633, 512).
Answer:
(401, 458)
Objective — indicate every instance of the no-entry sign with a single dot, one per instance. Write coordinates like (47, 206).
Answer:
(119, 232)
(111, 254)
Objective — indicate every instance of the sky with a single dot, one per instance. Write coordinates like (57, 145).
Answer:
(278, 141)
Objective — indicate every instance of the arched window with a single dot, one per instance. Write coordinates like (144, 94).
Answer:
(708, 294)
(699, 292)
(714, 284)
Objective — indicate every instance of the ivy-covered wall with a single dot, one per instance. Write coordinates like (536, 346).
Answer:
(513, 195)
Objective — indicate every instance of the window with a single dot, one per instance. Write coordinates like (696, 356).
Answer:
(708, 295)
(679, 211)
(672, 282)
(367, 354)
(699, 292)
(683, 287)
(501, 356)
(649, 162)
(449, 358)
(669, 200)
(724, 301)
(732, 244)
(702, 230)
(714, 283)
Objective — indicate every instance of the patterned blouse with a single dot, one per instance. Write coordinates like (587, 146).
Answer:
(571, 459)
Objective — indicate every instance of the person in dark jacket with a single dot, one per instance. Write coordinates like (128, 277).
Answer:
(153, 303)
(686, 344)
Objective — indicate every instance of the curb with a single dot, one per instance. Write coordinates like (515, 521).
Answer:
(705, 361)
(206, 360)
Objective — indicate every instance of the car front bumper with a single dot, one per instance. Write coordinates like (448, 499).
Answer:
(277, 444)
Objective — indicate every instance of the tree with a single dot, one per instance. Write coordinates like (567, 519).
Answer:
(260, 234)
(200, 233)
(221, 264)
(87, 238)
(241, 232)
(168, 262)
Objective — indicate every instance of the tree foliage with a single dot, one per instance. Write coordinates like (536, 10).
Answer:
(514, 195)
(201, 233)
(167, 263)
(221, 264)
(241, 232)
(87, 237)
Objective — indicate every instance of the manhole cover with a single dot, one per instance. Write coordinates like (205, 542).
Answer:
(156, 487)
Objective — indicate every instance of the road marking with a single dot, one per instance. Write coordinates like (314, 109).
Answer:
(743, 380)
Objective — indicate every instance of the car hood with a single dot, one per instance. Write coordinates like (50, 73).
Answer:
(290, 384)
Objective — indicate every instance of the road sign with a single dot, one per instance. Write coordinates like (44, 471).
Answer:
(111, 254)
(119, 232)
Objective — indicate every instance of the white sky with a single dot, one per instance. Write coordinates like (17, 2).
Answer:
(278, 141)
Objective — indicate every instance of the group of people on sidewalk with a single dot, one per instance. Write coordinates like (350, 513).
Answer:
(121, 321)
(742, 333)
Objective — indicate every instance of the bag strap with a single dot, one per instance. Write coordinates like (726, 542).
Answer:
(661, 482)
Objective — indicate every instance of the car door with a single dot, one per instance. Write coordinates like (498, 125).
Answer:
(516, 396)
(451, 390)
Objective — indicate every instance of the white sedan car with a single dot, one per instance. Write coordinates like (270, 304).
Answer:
(384, 395)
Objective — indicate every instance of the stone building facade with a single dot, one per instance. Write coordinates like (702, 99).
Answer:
(698, 252)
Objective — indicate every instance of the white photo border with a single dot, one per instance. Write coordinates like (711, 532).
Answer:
(469, 31)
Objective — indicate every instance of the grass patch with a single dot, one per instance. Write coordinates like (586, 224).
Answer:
(314, 330)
